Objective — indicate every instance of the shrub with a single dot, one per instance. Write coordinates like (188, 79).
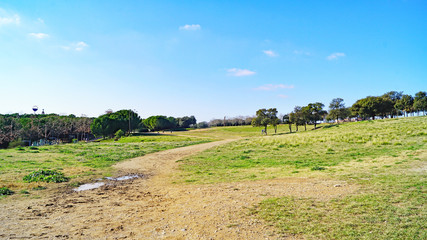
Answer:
(46, 176)
(119, 134)
(16, 143)
(5, 191)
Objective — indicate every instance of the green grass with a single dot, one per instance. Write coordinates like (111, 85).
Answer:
(385, 158)
(5, 191)
(46, 176)
(317, 150)
(238, 131)
(82, 160)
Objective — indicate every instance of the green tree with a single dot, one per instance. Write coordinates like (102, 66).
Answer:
(393, 96)
(315, 112)
(108, 124)
(367, 107)
(186, 121)
(287, 120)
(157, 123)
(420, 102)
(274, 120)
(405, 104)
(264, 117)
(298, 117)
(337, 109)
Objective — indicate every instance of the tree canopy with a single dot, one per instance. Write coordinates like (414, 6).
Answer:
(265, 117)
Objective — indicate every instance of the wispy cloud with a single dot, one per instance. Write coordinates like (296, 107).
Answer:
(240, 72)
(283, 96)
(40, 20)
(192, 27)
(6, 20)
(271, 87)
(335, 56)
(80, 46)
(270, 53)
(300, 52)
(39, 35)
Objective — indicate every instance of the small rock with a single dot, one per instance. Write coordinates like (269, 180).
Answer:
(337, 185)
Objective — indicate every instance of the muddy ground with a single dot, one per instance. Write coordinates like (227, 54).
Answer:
(153, 207)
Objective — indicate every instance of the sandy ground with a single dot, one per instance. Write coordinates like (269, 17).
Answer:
(153, 207)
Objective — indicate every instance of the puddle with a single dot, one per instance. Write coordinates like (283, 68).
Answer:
(126, 177)
(90, 186)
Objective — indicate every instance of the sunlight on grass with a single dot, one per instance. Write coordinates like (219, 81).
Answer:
(82, 159)
(386, 158)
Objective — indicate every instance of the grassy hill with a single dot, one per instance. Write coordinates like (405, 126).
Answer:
(385, 158)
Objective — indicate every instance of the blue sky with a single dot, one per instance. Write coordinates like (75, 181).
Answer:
(209, 59)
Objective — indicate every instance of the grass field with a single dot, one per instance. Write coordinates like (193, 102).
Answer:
(387, 158)
(82, 160)
(236, 132)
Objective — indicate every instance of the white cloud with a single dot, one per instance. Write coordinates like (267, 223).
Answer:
(15, 19)
(39, 35)
(80, 46)
(192, 27)
(270, 53)
(335, 56)
(282, 96)
(271, 87)
(240, 72)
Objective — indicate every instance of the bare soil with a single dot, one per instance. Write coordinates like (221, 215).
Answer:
(153, 207)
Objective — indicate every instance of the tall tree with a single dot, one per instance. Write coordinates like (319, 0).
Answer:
(108, 124)
(274, 120)
(264, 117)
(420, 102)
(367, 107)
(298, 117)
(337, 109)
(405, 104)
(287, 120)
(393, 96)
(315, 112)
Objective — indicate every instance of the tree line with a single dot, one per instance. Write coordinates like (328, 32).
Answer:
(388, 105)
(128, 121)
(30, 128)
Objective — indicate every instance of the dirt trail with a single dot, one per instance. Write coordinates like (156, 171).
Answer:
(155, 208)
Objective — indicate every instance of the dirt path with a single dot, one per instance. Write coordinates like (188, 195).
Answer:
(155, 208)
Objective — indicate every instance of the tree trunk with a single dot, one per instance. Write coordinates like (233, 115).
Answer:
(305, 126)
(290, 128)
(265, 130)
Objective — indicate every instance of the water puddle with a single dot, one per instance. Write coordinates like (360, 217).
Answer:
(90, 186)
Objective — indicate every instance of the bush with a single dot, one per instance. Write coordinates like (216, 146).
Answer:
(5, 191)
(46, 176)
(119, 134)
(16, 143)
